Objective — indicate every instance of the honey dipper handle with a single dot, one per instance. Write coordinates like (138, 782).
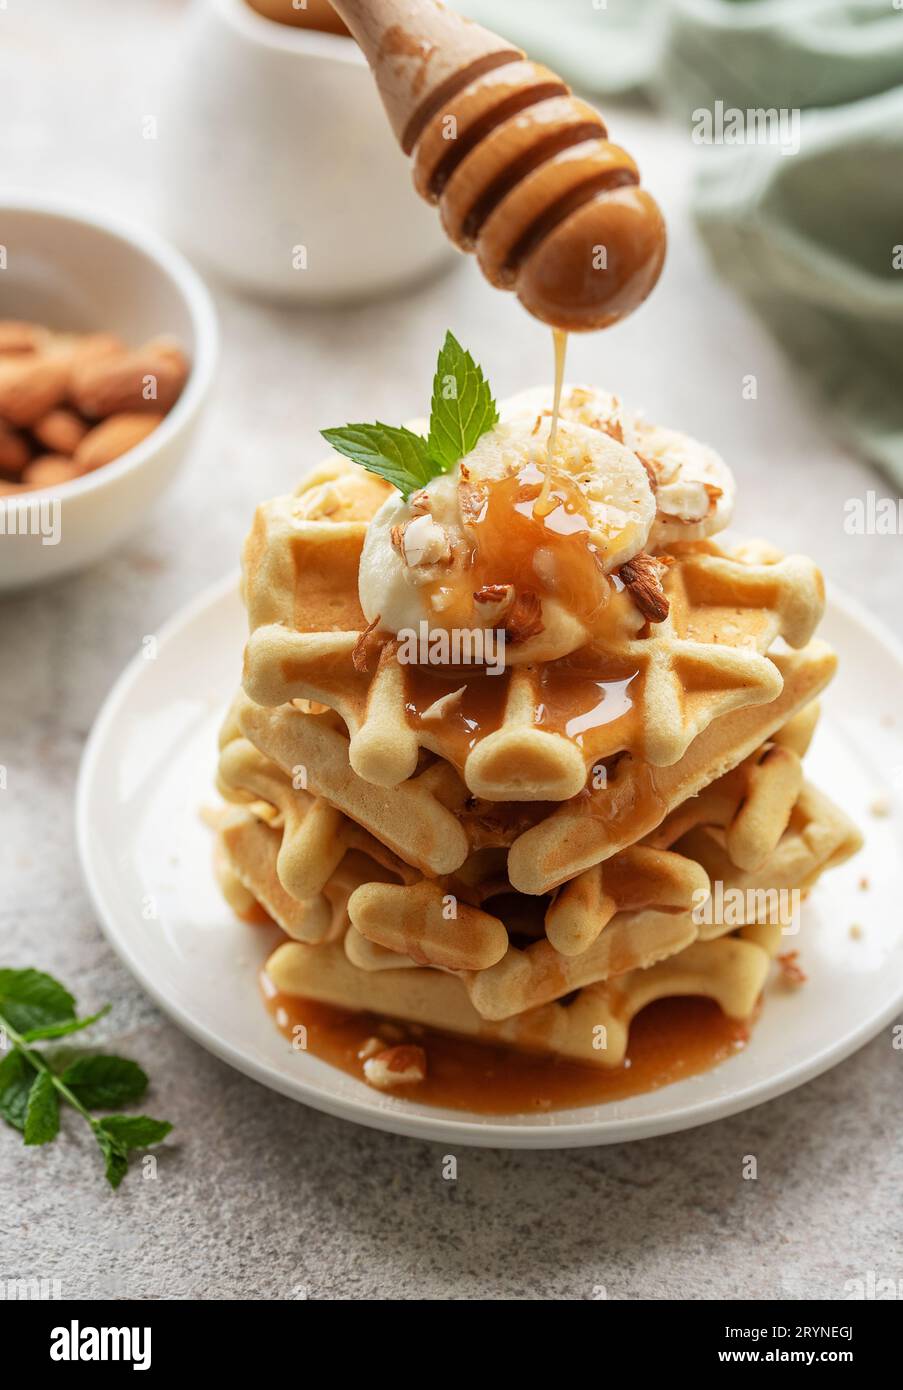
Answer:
(420, 53)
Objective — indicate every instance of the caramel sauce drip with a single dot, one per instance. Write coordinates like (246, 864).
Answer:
(669, 1040)
(478, 711)
(560, 341)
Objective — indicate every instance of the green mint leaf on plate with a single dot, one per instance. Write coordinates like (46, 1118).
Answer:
(390, 451)
(103, 1083)
(462, 407)
(31, 1000)
(42, 1118)
(16, 1080)
(62, 1030)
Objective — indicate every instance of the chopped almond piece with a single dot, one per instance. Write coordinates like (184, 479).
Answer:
(360, 657)
(397, 1066)
(525, 619)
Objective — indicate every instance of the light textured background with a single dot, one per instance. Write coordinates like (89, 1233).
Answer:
(259, 1197)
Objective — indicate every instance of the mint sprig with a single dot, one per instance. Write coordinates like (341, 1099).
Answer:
(461, 411)
(462, 408)
(393, 452)
(34, 1006)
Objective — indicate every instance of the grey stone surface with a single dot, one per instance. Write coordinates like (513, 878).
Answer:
(258, 1197)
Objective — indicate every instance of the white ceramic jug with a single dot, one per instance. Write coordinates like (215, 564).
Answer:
(282, 173)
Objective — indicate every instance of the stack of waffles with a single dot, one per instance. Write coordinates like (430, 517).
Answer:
(527, 858)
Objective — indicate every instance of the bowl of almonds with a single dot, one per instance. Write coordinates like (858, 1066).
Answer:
(108, 344)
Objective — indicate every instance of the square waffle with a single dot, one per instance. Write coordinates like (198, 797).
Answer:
(534, 732)
(513, 954)
(433, 822)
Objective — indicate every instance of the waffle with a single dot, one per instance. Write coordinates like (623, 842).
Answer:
(528, 856)
(433, 823)
(727, 967)
(534, 732)
(730, 971)
(288, 848)
(816, 837)
(640, 908)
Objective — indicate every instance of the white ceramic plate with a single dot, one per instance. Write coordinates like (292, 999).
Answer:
(149, 767)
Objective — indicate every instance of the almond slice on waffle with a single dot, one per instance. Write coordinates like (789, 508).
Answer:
(533, 732)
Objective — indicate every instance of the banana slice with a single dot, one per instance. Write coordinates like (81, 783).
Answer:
(513, 539)
(695, 489)
(600, 487)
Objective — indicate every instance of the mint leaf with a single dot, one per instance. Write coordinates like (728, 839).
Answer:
(62, 1030)
(29, 999)
(390, 451)
(116, 1163)
(134, 1131)
(34, 1006)
(16, 1080)
(42, 1119)
(101, 1083)
(117, 1134)
(462, 407)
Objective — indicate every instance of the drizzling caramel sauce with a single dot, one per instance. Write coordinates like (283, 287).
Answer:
(560, 341)
(669, 1040)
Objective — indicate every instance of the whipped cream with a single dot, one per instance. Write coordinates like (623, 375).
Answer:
(442, 555)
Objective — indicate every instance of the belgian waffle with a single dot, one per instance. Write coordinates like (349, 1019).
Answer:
(641, 907)
(534, 732)
(727, 965)
(730, 971)
(433, 823)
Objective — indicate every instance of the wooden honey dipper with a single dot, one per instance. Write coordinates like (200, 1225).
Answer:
(523, 171)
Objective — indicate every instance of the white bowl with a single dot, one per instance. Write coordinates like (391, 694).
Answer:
(284, 176)
(73, 268)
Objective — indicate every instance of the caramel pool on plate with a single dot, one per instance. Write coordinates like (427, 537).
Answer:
(669, 1041)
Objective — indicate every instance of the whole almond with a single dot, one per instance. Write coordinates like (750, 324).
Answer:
(148, 380)
(91, 347)
(30, 387)
(61, 431)
(17, 336)
(112, 438)
(49, 471)
(14, 450)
